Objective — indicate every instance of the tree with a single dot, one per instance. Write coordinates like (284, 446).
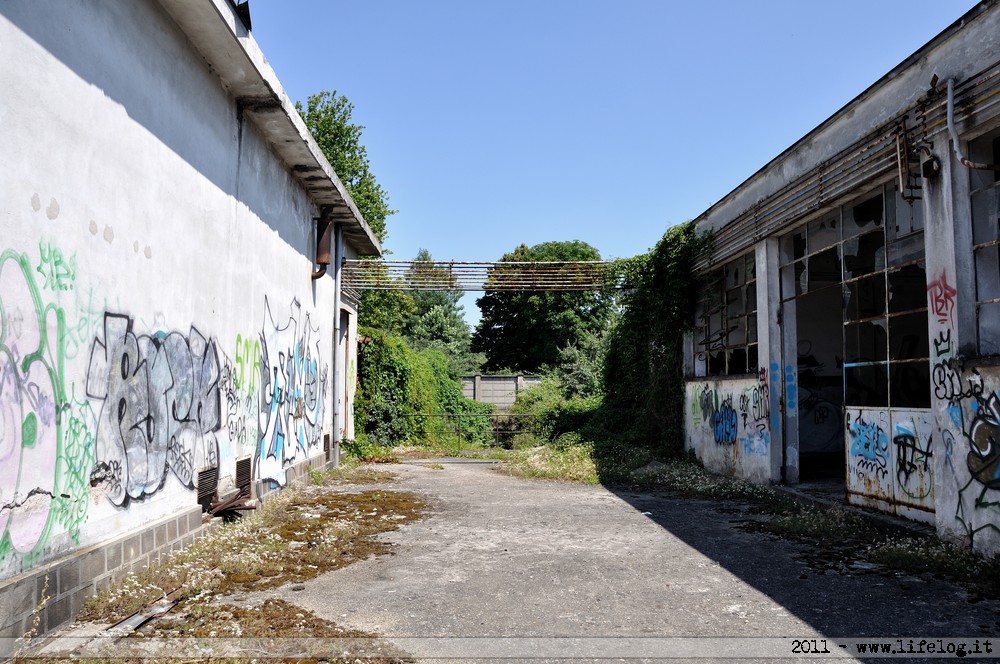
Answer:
(437, 321)
(328, 118)
(424, 300)
(526, 331)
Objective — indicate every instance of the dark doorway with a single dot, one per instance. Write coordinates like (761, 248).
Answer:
(820, 384)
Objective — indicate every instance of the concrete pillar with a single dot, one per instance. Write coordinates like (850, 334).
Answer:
(769, 344)
(951, 321)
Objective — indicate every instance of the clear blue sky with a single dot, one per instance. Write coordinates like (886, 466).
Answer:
(496, 123)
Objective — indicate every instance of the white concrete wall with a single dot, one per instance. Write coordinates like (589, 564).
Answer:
(157, 315)
(729, 425)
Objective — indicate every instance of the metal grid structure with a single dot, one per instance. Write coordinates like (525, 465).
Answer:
(482, 276)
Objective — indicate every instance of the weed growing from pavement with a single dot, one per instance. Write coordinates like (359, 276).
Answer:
(574, 463)
(296, 535)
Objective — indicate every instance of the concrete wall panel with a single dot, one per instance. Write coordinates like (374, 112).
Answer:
(157, 315)
(729, 425)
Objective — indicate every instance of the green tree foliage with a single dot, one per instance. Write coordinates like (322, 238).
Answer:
(385, 310)
(643, 368)
(328, 118)
(580, 366)
(425, 300)
(526, 331)
(437, 321)
(400, 387)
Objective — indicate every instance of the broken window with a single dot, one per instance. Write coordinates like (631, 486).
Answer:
(882, 356)
(985, 186)
(726, 320)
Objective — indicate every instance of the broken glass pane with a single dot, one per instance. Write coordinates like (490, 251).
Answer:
(717, 363)
(908, 288)
(737, 361)
(752, 362)
(864, 254)
(866, 297)
(794, 245)
(801, 278)
(987, 274)
(865, 342)
(752, 328)
(788, 282)
(751, 269)
(908, 336)
(910, 383)
(751, 297)
(866, 386)
(983, 150)
(824, 269)
(824, 233)
(863, 217)
(985, 213)
(734, 273)
(906, 250)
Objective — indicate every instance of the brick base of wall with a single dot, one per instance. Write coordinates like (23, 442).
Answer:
(88, 571)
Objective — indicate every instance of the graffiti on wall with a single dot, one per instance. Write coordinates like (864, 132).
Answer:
(736, 420)
(913, 462)
(240, 384)
(869, 446)
(973, 411)
(292, 393)
(45, 438)
(160, 408)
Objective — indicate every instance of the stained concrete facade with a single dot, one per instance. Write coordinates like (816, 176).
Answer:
(163, 337)
(849, 328)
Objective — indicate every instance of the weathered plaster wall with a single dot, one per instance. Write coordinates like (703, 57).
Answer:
(157, 316)
(729, 425)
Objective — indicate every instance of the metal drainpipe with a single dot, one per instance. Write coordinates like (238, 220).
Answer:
(337, 369)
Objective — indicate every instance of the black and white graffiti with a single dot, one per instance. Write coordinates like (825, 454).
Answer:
(161, 408)
(292, 393)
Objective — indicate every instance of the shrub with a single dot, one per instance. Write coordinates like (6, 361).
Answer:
(400, 388)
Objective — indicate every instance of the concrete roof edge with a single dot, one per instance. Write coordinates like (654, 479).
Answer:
(978, 10)
(219, 35)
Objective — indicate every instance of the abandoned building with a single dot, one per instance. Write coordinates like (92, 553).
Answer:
(170, 336)
(849, 326)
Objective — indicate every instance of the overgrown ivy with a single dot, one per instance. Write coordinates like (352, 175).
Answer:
(400, 388)
(644, 365)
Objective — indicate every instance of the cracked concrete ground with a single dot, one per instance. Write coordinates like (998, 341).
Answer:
(522, 569)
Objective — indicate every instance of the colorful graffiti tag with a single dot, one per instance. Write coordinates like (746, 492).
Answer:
(292, 393)
(45, 441)
(161, 408)
(869, 448)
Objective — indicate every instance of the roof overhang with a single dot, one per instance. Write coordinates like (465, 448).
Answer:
(218, 34)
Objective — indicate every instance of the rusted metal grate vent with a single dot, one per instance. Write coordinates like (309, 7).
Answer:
(244, 470)
(208, 482)
(326, 445)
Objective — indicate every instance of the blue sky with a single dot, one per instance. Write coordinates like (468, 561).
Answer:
(496, 123)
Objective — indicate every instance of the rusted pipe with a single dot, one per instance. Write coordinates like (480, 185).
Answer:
(323, 250)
